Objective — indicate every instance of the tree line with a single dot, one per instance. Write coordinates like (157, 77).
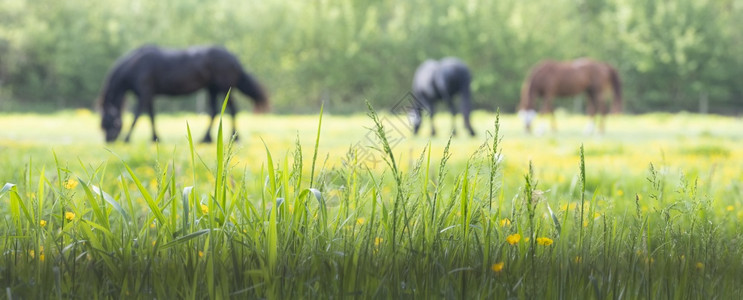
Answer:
(680, 55)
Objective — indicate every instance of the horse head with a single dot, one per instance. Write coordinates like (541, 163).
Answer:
(527, 111)
(414, 116)
(111, 122)
(110, 104)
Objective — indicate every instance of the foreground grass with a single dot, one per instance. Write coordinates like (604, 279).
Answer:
(505, 216)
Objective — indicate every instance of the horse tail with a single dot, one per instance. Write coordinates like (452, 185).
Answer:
(251, 87)
(617, 87)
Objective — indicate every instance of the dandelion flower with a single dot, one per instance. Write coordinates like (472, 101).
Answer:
(497, 267)
(700, 266)
(505, 222)
(70, 183)
(730, 208)
(69, 216)
(41, 257)
(201, 253)
(152, 226)
(204, 209)
(513, 239)
(360, 221)
(544, 241)
(42, 223)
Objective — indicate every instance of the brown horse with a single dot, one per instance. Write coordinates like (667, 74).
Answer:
(550, 79)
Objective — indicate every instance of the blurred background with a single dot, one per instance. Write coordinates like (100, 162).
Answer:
(681, 55)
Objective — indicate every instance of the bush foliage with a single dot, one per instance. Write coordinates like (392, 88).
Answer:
(673, 55)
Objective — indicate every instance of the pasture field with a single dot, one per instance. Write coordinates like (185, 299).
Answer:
(651, 209)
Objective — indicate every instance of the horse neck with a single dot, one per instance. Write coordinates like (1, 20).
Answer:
(113, 98)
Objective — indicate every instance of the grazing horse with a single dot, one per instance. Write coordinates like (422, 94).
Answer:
(150, 71)
(551, 79)
(444, 79)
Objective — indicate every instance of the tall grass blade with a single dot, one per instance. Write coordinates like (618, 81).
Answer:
(317, 144)
(183, 239)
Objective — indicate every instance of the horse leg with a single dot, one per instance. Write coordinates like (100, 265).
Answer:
(603, 110)
(233, 112)
(212, 113)
(137, 112)
(453, 111)
(591, 111)
(546, 109)
(466, 109)
(151, 110)
(432, 110)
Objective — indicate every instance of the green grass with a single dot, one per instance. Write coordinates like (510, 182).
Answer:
(295, 210)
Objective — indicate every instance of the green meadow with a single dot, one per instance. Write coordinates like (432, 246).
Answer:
(336, 206)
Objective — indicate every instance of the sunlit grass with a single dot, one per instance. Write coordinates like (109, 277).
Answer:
(465, 218)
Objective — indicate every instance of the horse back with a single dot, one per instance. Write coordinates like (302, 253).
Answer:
(178, 72)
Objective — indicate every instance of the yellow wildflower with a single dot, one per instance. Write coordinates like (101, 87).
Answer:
(201, 253)
(569, 206)
(69, 216)
(204, 209)
(42, 223)
(497, 267)
(31, 253)
(730, 208)
(620, 193)
(378, 241)
(152, 225)
(82, 112)
(578, 259)
(505, 222)
(513, 239)
(70, 183)
(360, 221)
(700, 266)
(41, 257)
(544, 241)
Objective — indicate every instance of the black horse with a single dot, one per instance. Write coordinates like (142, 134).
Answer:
(444, 79)
(150, 71)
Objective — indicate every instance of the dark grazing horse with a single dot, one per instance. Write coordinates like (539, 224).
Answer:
(436, 80)
(550, 79)
(150, 71)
